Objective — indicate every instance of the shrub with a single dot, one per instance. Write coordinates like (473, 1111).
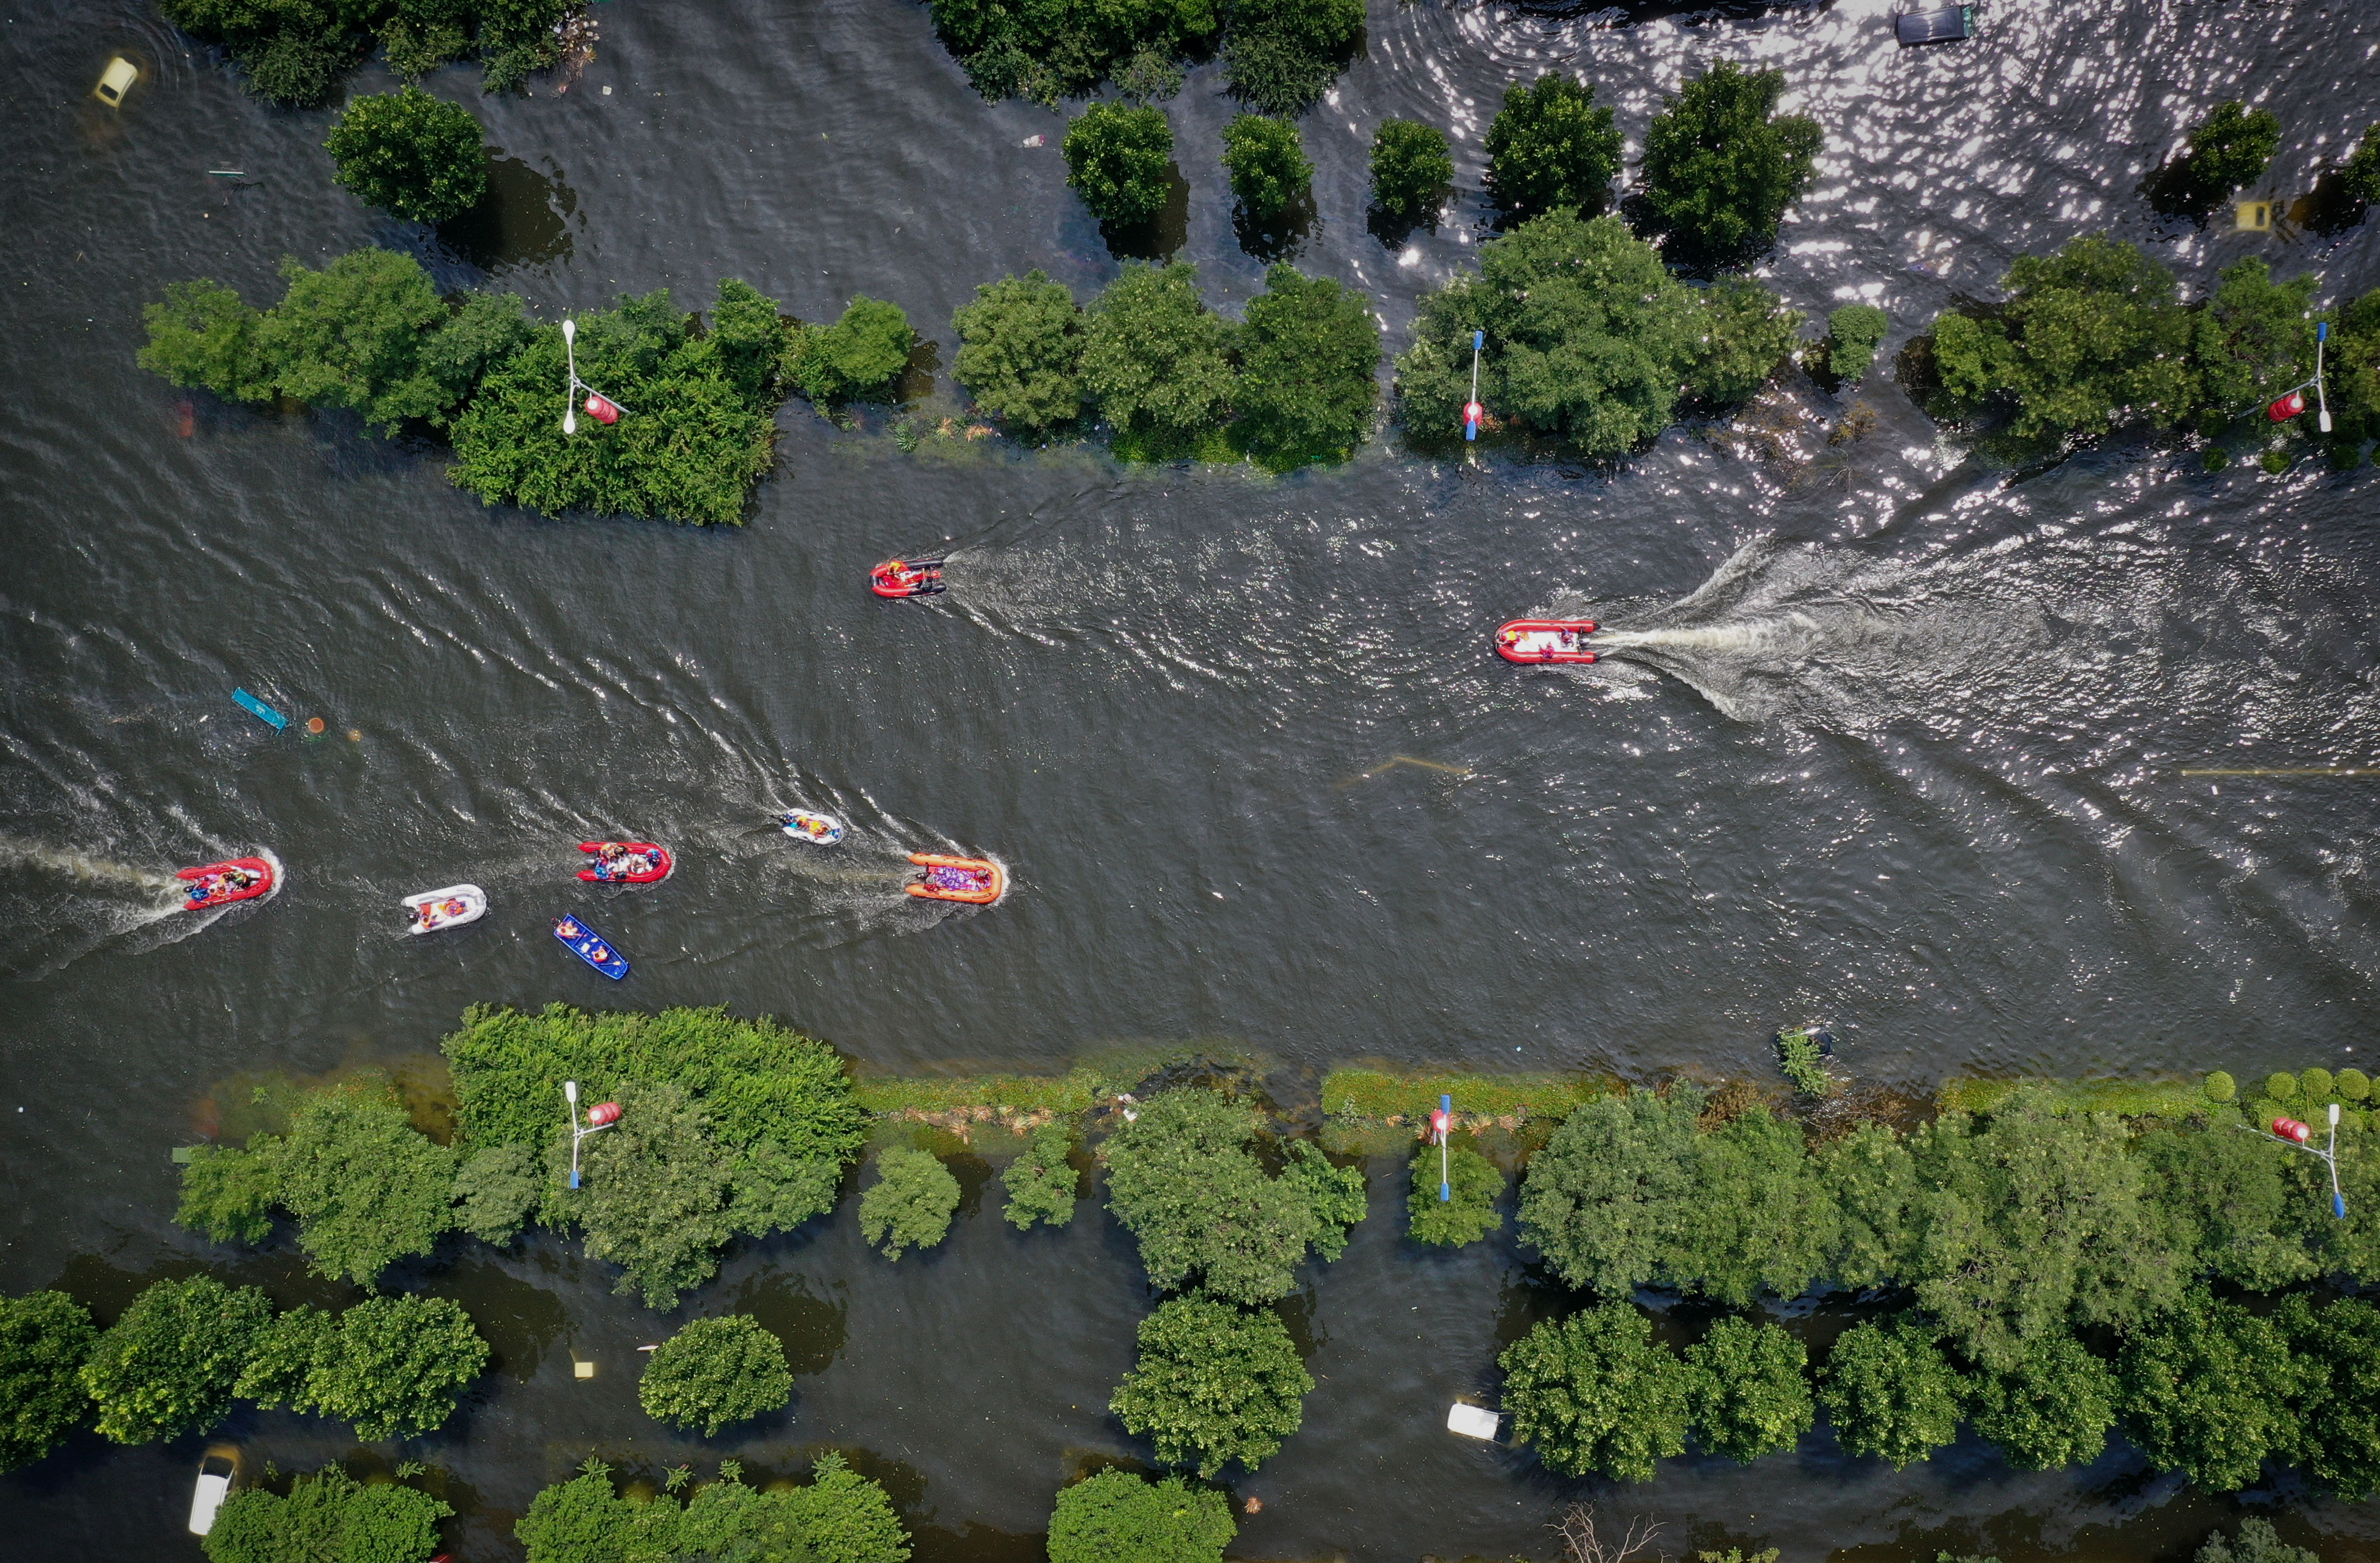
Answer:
(2223, 1201)
(860, 356)
(328, 1517)
(2258, 1543)
(838, 1517)
(294, 55)
(654, 1194)
(1021, 352)
(2282, 1088)
(1549, 150)
(204, 335)
(1117, 159)
(1759, 1216)
(2220, 1087)
(1114, 1517)
(2230, 147)
(2352, 1086)
(2253, 339)
(1267, 164)
(45, 1336)
(2205, 1389)
(2091, 337)
(497, 1192)
(2336, 1430)
(366, 1187)
(1891, 1392)
(1411, 165)
(2314, 1087)
(1589, 338)
(1854, 333)
(411, 154)
(228, 1194)
(1213, 1384)
(1048, 52)
(1746, 332)
(1874, 1180)
(1042, 1183)
(1595, 1394)
(1310, 362)
(1185, 1181)
(167, 1366)
(1155, 357)
(714, 1372)
(1747, 1395)
(1798, 1056)
(1720, 169)
(1281, 57)
(690, 446)
(395, 1366)
(1604, 1199)
(486, 329)
(2052, 1409)
(350, 335)
(1471, 1214)
(910, 1204)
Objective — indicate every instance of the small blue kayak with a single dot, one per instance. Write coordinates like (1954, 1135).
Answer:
(590, 947)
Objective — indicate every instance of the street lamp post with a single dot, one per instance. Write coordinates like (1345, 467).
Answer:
(2290, 1133)
(603, 1116)
(1439, 1121)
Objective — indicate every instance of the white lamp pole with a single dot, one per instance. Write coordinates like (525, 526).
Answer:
(570, 1088)
(570, 426)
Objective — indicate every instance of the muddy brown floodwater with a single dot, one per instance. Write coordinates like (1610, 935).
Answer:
(1897, 740)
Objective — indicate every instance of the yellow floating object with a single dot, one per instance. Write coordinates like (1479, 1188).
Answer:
(115, 80)
(2252, 217)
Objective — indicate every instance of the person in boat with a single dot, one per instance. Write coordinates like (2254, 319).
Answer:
(567, 928)
(652, 862)
(597, 953)
(234, 880)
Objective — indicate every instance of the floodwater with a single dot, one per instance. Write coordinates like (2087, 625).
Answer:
(1888, 736)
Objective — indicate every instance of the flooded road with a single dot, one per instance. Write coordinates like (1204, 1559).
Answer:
(1885, 735)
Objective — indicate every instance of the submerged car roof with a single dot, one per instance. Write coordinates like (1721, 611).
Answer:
(1936, 24)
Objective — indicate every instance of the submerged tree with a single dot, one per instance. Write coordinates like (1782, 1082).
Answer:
(1213, 1384)
(714, 1372)
(910, 1204)
(654, 1194)
(1854, 333)
(2053, 1408)
(2336, 1433)
(1891, 1392)
(1550, 149)
(228, 1194)
(1604, 1199)
(44, 1339)
(1115, 1517)
(2206, 1386)
(1117, 159)
(1748, 1395)
(1267, 164)
(329, 1516)
(859, 356)
(395, 1367)
(1470, 1215)
(1411, 166)
(1720, 168)
(2227, 148)
(1309, 363)
(1156, 359)
(366, 1187)
(411, 154)
(1595, 1394)
(1021, 352)
(1042, 1183)
(1281, 57)
(169, 1365)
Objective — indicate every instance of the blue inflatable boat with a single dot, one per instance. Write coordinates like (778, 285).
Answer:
(590, 947)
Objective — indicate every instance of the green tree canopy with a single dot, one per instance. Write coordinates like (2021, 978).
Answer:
(1021, 352)
(1891, 1392)
(2255, 340)
(1872, 1178)
(1117, 159)
(1115, 1517)
(228, 1194)
(2227, 1202)
(1720, 168)
(411, 154)
(654, 1194)
(204, 335)
(2091, 337)
(1746, 332)
(840, 1517)
(860, 356)
(1471, 1214)
(366, 1187)
(909, 1204)
(395, 1366)
(1267, 164)
(1759, 1216)
(497, 1192)
(1550, 149)
(1747, 1393)
(1281, 57)
(2052, 1409)
(714, 1372)
(1604, 1198)
(2360, 170)
(1155, 359)
(1042, 1183)
(2257, 1543)
(1213, 1384)
(167, 1366)
(1597, 1395)
(45, 1336)
(1046, 53)
(350, 335)
(1309, 358)
(2336, 1433)
(1184, 1180)
(1411, 165)
(1854, 333)
(2205, 1390)
(486, 329)
(1589, 342)
(2227, 148)
(328, 1517)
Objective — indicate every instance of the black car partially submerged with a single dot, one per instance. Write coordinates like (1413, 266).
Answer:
(1936, 24)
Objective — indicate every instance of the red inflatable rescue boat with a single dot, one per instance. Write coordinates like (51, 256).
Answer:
(220, 884)
(626, 863)
(970, 879)
(907, 577)
(1546, 640)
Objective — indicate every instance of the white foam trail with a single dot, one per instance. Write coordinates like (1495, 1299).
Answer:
(80, 868)
(1758, 634)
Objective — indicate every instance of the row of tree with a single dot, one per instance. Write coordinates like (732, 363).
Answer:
(186, 1351)
(1279, 57)
(295, 53)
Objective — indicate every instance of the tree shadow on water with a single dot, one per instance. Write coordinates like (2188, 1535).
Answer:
(1163, 236)
(524, 219)
(1279, 237)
